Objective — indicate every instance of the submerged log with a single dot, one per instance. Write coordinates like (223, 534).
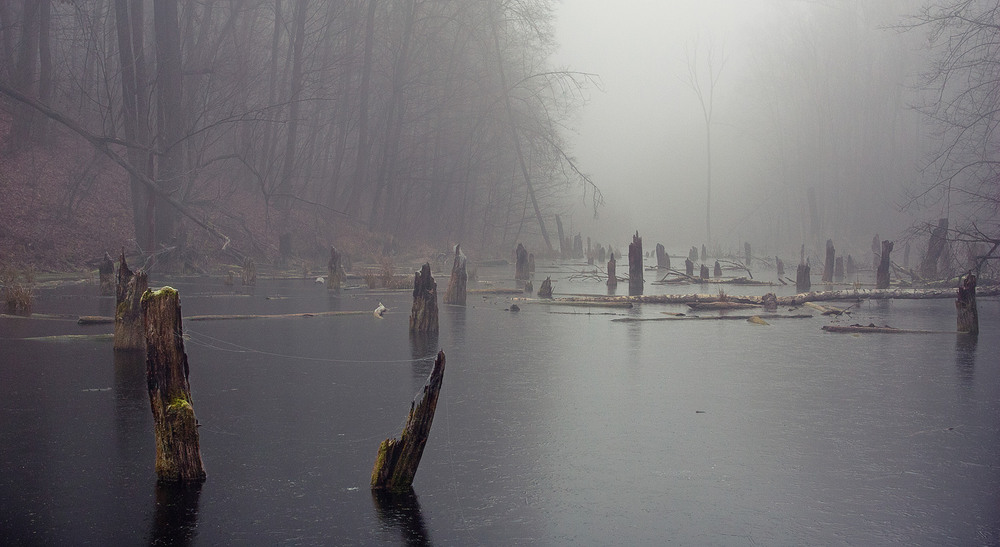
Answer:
(723, 305)
(717, 271)
(882, 274)
(521, 263)
(458, 281)
(635, 281)
(129, 289)
(828, 265)
(612, 273)
(335, 271)
(178, 456)
(424, 313)
(106, 274)
(545, 291)
(397, 459)
(802, 281)
(968, 315)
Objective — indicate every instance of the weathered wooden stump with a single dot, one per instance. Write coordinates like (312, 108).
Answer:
(578, 246)
(882, 274)
(521, 263)
(965, 305)
(178, 456)
(688, 267)
(875, 251)
(747, 254)
(693, 254)
(838, 269)
(831, 255)
(106, 275)
(635, 281)
(129, 289)
(458, 280)
(780, 266)
(564, 246)
(545, 291)
(335, 270)
(769, 301)
(397, 459)
(612, 272)
(717, 270)
(662, 259)
(424, 314)
(802, 281)
(704, 271)
(906, 255)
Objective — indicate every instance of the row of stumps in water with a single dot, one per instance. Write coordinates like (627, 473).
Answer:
(151, 321)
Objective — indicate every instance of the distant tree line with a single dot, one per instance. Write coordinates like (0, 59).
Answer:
(429, 120)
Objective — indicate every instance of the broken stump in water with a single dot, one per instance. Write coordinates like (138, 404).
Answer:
(882, 274)
(424, 314)
(521, 272)
(397, 459)
(769, 301)
(662, 259)
(704, 271)
(965, 305)
(531, 264)
(129, 288)
(458, 280)
(802, 281)
(106, 274)
(746, 251)
(838, 269)
(780, 265)
(545, 291)
(717, 271)
(335, 270)
(635, 280)
(831, 254)
(178, 456)
(689, 267)
(612, 272)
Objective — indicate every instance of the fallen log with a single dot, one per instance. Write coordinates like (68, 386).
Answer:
(713, 317)
(397, 459)
(721, 305)
(824, 310)
(872, 329)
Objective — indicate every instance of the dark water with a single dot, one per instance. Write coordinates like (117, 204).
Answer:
(555, 425)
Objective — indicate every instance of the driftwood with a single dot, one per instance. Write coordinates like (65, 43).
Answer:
(129, 289)
(106, 274)
(882, 274)
(521, 263)
(545, 291)
(635, 280)
(824, 310)
(178, 456)
(965, 305)
(397, 459)
(721, 305)
(712, 317)
(769, 301)
(455, 294)
(424, 314)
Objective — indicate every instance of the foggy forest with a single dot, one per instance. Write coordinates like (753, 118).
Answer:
(217, 130)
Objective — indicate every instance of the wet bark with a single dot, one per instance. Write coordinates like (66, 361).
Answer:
(397, 459)
(129, 333)
(178, 456)
(965, 305)
(635, 281)
(424, 313)
(882, 274)
(457, 283)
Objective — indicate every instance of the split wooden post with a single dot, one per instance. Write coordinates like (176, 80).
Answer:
(106, 275)
(831, 255)
(424, 314)
(612, 273)
(178, 456)
(882, 274)
(635, 281)
(521, 263)
(458, 281)
(545, 290)
(397, 459)
(802, 281)
(129, 288)
(965, 305)
(335, 271)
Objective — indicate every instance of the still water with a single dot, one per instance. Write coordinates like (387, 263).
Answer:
(555, 425)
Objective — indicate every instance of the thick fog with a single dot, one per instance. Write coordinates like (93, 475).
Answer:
(807, 95)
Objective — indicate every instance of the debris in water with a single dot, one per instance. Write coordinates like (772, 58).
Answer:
(380, 310)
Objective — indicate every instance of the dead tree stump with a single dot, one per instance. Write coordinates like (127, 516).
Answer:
(780, 265)
(704, 271)
(662, 260)
(693, 254)
(578, 246)
(965, 305)
(397, 459)
(717, 270)
(688, 267)
(831, 254)
(531, 264)
(882, 274)
(563, 245)
(635, 281)
(424, 314)
(521, 263)
(106, 275)
(875, 251)
(838, 269)
(458, 281)
(704, 252)
(545, 290)
(612, 273)
(769, 301)
(130, 287)
(802, 281)
(335, 271)
(178, 456)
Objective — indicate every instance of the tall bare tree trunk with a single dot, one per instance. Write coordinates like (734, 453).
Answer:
(169, 87)
(285, 187)
(363, 160)
(24, 73)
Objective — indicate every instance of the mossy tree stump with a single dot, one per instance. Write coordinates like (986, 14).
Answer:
(882, 274)
(424, 313)
(178, 456)
(335, 270)
(635, 281)
(521, 272)
(457, 283)
(965, 305)
(129, 288)
(397, 459)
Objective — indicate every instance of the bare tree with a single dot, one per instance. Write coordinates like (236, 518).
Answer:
(703, 84)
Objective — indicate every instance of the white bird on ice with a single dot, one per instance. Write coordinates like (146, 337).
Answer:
(380, 310)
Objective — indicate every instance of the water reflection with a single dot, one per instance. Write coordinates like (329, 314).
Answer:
(965, 357)
(131, 400)
(176, 519)
(402, 511)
